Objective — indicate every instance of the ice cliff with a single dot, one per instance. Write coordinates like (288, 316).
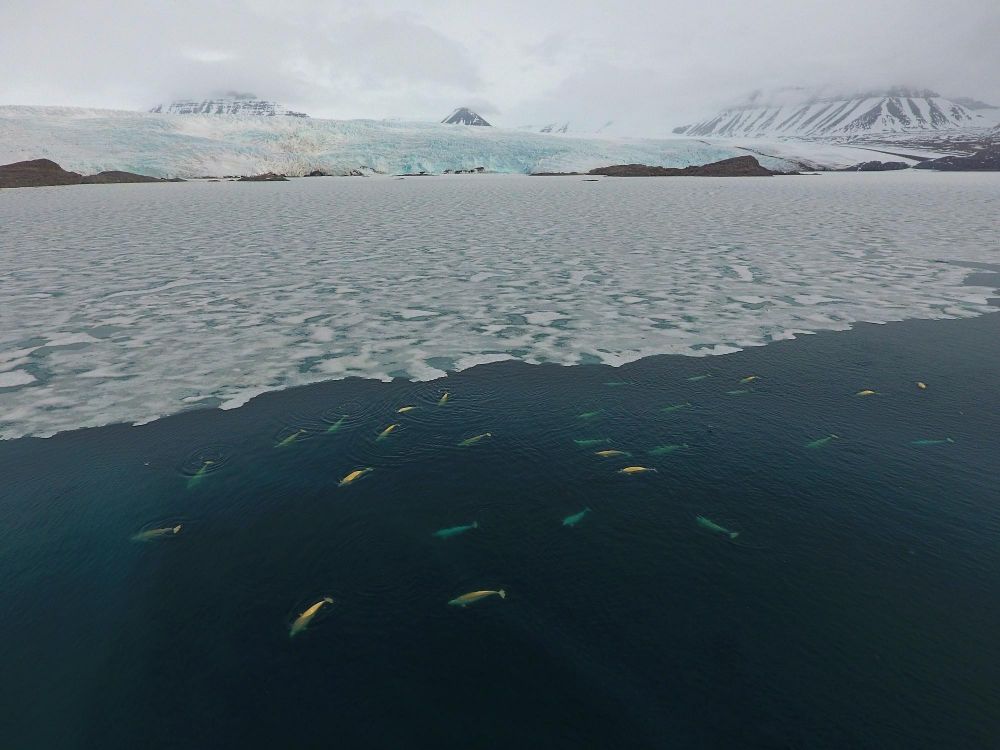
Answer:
(163, 145)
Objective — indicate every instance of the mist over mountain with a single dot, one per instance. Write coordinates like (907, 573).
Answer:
(794, 112)
(232, 103)
(647, 67)
(970, 103)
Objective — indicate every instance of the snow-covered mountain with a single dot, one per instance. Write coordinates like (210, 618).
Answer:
(465, 116)
(894, 111)
(230, 104)
(563, 127)
(161, 145)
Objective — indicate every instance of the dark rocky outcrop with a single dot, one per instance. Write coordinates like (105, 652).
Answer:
(876, 166)
(986, 159)
(556, 174)
(738, 166)
(353, 172)
(46, 173)
(474, 170)
(266, 177)
(36, 173)
(114, 177)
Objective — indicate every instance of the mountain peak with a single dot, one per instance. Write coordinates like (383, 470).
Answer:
(232, 103)
(895, 110)
(465, 116)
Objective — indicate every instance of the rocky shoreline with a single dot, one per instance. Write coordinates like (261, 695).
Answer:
(876, 166)
(738, 166)
(266, 177)
(986, 159)
(46, 173)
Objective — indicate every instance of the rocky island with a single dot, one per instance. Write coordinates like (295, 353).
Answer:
(266, 177)
(46, 173)
(738, 166)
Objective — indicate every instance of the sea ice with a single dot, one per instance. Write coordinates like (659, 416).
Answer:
(15, 378)
(225, 298)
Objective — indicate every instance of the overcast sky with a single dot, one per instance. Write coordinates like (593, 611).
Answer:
(648, 66)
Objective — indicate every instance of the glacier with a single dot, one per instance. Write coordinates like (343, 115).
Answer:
(191, 146)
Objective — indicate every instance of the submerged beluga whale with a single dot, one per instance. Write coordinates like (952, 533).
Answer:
(151, 534)
(303, 620)
(475, 596)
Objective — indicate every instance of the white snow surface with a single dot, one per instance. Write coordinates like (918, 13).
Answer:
(163, 145)
(122, 303)
(827, 154)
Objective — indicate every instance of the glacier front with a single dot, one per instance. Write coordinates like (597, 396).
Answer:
(164, 145)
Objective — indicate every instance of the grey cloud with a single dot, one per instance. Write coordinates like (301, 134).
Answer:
(651, 64)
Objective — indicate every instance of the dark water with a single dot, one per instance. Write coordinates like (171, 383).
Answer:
(859, 607)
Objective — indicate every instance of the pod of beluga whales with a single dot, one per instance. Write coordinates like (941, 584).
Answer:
(304, 618)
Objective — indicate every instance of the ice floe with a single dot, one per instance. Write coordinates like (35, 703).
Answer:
(215, 295)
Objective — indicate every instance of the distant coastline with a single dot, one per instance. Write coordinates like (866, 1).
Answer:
(46, 173)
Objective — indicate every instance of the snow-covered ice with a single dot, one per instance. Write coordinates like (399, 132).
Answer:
(122, 303)
(15, 378)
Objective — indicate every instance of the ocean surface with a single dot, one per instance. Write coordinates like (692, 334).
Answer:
(801, 567)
